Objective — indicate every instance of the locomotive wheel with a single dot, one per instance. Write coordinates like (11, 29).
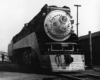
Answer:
(35, 62)
(27, 58)
(24, 58)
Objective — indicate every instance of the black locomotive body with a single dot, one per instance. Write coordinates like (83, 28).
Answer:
(48, 41)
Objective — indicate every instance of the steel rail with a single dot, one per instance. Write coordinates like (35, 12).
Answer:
(79, 76)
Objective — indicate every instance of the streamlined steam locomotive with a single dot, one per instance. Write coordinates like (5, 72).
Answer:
(48, 42)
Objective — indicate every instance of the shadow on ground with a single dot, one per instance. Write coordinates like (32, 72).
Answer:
(7, 66)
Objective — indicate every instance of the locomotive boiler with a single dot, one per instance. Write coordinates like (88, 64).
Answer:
(48, 42)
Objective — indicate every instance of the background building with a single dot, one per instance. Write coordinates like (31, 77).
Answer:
(84, 41)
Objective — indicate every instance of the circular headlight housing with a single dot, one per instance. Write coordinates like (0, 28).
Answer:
(57, 25)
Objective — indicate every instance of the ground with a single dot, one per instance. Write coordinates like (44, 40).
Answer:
(11, 71)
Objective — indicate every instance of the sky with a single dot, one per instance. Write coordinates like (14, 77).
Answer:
(15, 13)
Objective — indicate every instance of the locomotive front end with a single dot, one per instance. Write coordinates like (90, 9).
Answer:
(63, 55)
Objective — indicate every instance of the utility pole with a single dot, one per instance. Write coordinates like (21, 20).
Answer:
(77, 17)
(90, 44)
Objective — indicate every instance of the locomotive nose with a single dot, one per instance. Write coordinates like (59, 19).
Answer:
(57, 25)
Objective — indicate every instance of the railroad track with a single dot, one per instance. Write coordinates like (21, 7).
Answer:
(78, 76)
